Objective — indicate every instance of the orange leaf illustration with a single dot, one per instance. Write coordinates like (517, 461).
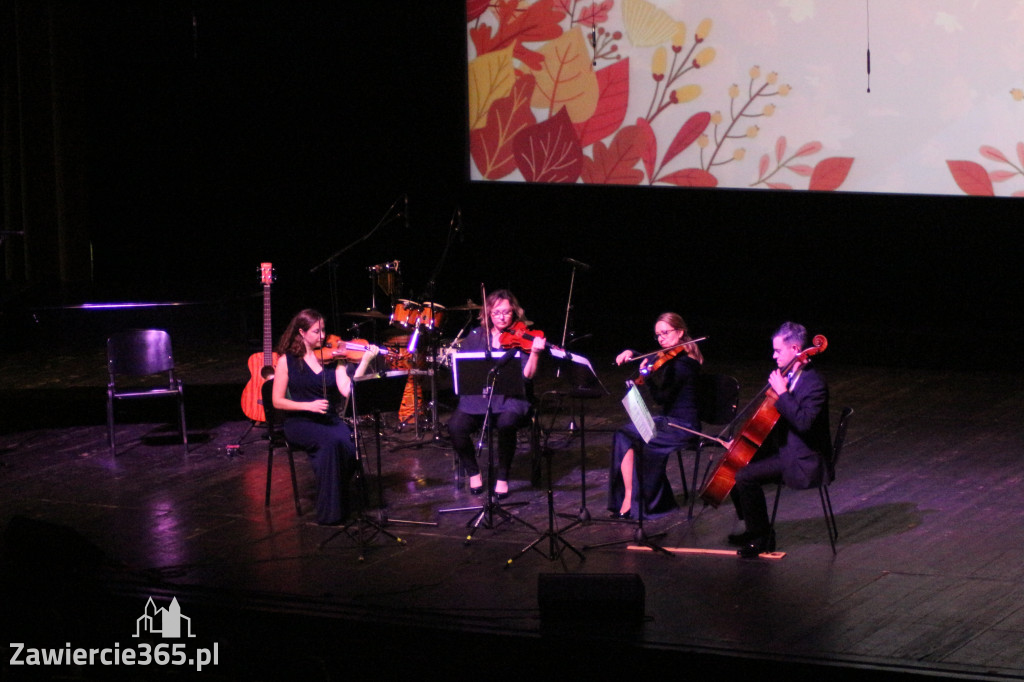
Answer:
(613, 98)
(830, 173)
(491, 146)
(567, 78)
(491, 77)
(548, 151)
(537, 22)
(650, 149)
(614, 165)
(972, 178)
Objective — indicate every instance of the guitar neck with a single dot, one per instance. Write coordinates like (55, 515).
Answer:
(267, 344)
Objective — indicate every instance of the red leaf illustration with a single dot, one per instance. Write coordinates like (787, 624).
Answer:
(687, 134)
(539, 21)
(548, 151)
(780, 149)
(830, 173)
(614, 165)
(690, 177)
(808, 149)
(1001, 175)
(474, 8)
(1020, 152)
(595, 14)
(993, 154)
(613, 86)
(650, 150)
(779, 185)
(491, 146)
(762, 167)
(972, 178)
(801, 169)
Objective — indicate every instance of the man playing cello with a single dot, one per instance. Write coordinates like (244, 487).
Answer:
(797, 447)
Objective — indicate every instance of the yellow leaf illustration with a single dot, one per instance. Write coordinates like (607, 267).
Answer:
(567, 77)
(491, 77)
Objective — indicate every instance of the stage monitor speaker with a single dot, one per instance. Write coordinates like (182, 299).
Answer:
(592, 596)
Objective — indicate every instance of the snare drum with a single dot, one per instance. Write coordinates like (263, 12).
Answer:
(406, 313)
(431, 315)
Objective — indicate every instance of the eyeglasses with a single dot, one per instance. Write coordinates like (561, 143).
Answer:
(658, 335)
(501, 313)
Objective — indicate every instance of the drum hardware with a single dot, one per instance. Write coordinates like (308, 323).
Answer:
(373, 314)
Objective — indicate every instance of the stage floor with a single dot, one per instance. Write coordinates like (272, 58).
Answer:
(927, 579)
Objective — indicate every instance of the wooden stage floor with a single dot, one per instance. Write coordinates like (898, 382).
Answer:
(928, 578)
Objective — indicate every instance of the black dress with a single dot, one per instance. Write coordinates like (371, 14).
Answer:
(673, 389)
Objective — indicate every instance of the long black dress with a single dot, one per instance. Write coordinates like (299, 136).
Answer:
(673, 388)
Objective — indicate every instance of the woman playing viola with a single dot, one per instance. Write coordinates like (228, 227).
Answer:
(672, 378)
(302, 388)
(499, 314)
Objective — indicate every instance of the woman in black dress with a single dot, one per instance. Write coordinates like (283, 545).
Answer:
(303, 388)
(673, 391)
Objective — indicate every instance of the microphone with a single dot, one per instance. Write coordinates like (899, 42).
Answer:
(577, 264)
(405, 211)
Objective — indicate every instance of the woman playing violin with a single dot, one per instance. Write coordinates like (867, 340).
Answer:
(500, 313)
(303, 388)
(671, 377)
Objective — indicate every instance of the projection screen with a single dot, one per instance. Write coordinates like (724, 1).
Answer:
(900, 96)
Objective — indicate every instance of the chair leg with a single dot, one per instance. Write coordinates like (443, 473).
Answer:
(181, 411)
(270, 469)
(110, 422)
(295, 482)
(682, 474)
(830, 517)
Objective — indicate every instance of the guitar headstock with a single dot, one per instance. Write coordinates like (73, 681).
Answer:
(266, 274)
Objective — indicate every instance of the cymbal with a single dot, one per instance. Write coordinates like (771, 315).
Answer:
(375, 314)
(469, 305)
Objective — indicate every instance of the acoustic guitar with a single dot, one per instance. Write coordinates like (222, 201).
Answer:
(261, 365)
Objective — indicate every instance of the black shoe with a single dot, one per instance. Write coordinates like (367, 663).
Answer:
(476, 491)
(757, 546)
(628, 514)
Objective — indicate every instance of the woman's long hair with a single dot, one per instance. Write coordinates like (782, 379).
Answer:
(492, 300)
(676, 321)
(291, 341)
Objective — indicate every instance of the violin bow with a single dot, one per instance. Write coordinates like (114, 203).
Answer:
(721, 442)
(652, 353)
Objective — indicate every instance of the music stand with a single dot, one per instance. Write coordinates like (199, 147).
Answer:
(488, 374)
(639, 413)
(583, 384)
(374, 393)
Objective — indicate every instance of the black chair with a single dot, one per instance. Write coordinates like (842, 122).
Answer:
(276, 439)
(140, 364)
(828, 477)
(717, 400)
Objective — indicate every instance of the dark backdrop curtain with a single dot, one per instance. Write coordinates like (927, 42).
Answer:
(46, 230)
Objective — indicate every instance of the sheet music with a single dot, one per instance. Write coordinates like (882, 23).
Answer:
(639, 413)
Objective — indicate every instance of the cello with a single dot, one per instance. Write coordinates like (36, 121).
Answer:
(753, 433)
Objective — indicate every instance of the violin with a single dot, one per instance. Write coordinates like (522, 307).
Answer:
(661, 357)
(335, 349)
(518, 335)
(753, 433)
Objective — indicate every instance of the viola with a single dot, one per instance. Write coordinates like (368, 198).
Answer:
(335, 349)
(753, 432)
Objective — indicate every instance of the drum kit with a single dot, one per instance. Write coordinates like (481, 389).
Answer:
(413, 337)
